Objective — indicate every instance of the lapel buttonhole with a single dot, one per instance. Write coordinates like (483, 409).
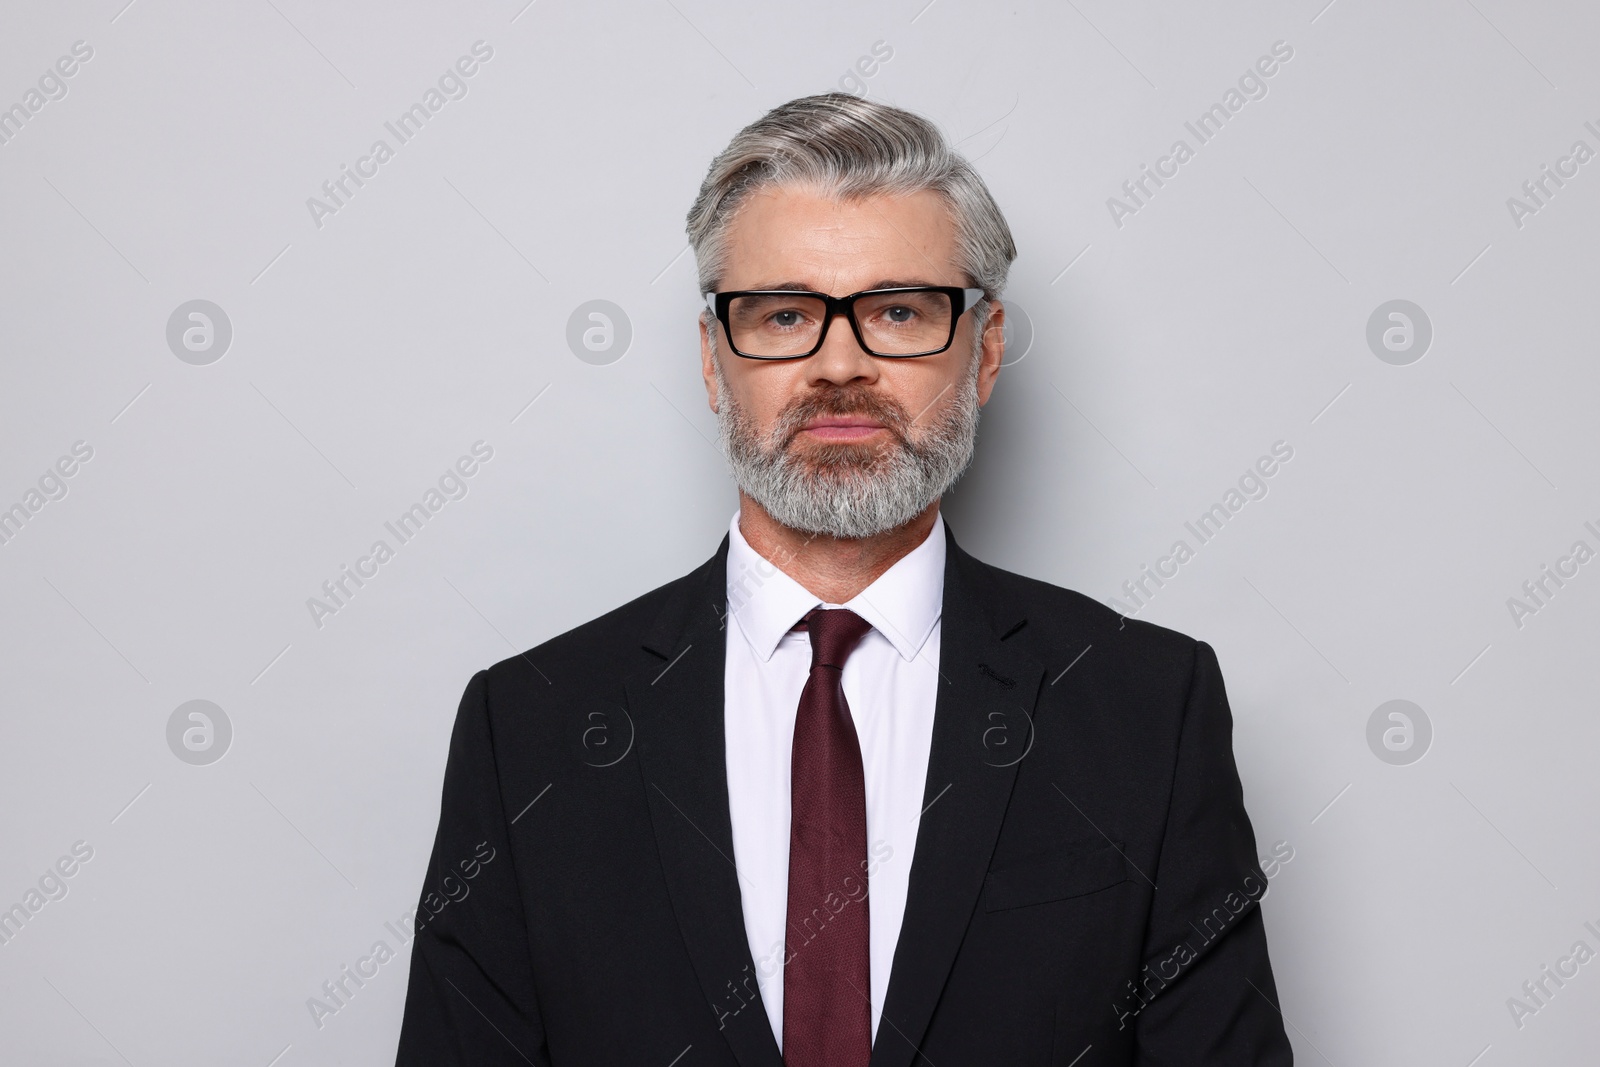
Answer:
(999, 679)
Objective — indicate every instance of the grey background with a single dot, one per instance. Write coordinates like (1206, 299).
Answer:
(431, 311)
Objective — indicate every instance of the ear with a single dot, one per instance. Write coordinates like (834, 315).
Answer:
(992, 352)
(708, 366)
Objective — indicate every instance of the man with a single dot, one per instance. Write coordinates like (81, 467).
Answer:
(844, 794)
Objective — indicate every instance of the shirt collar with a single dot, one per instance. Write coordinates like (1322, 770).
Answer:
(902, 604)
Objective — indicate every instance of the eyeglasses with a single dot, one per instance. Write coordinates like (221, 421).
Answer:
(917, 320)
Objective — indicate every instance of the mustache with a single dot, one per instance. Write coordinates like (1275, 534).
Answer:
(854, 401)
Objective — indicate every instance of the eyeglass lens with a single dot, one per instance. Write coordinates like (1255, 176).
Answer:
(788, 324)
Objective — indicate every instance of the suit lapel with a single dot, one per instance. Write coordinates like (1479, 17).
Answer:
(677, 705)
(982, 727)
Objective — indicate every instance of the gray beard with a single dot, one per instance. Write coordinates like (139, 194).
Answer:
(846, 490)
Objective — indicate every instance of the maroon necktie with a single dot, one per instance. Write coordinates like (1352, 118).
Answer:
(827, 993)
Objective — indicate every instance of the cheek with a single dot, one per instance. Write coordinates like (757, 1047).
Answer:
(922, 390)
(762, 391)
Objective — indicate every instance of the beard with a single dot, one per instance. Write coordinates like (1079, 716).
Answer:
(843, 489)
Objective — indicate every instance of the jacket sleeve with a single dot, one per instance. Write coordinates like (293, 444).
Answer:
(1205, 994)
(471, 995)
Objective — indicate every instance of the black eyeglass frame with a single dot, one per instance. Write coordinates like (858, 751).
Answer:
(961, 301)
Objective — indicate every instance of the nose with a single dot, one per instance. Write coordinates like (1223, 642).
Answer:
(841, 359)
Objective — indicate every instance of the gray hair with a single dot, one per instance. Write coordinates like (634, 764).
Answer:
(848, 147)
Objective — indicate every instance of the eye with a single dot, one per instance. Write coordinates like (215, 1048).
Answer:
(899, 313)
(787, 319)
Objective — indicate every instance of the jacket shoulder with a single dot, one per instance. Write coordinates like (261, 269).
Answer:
(1064, 620)
(605, 647)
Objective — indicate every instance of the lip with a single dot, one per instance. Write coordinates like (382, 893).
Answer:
(843, 428)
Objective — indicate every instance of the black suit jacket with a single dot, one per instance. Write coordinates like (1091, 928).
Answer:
(1083, 889)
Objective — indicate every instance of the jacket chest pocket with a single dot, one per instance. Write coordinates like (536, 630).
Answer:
(1076, 874)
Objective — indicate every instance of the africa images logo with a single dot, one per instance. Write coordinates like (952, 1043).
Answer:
(1252, 485)
(452, 85)
(453, 485)
(1252, 85)
(52, 85)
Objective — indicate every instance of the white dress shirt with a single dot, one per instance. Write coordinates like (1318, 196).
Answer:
(890, 682)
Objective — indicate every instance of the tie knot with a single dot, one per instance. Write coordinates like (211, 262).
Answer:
(835, 632)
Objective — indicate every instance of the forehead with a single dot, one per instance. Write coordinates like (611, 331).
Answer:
(785, 235)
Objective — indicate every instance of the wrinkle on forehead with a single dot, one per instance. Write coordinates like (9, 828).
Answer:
(801, 236)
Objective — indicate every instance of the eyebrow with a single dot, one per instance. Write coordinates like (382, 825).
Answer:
(886, 283)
